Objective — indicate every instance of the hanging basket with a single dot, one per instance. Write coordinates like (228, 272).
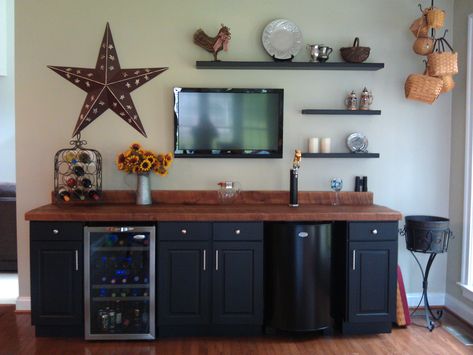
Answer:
(435, 17)
(423, 88)
(423, 46)
(448, 83)
(77, 173)
(440, 62)
(419, 27)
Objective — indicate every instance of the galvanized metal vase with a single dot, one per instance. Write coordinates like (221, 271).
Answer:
(143, 190)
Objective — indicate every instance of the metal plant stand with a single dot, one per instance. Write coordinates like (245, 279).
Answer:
(428, 235)
(430, 324)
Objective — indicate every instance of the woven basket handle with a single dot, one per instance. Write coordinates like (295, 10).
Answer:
(356, 42)
(444, 41)
(439, 44)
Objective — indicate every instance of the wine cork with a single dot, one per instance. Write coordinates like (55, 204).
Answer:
(325, 144)
(314, 145)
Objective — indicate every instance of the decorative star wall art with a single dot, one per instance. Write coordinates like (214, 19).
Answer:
(108, 86)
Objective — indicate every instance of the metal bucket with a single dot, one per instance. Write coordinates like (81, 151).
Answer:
(427, 234)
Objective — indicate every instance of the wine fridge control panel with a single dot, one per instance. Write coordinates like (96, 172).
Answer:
(119, 282)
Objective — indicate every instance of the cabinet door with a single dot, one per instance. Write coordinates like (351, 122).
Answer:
(57, 293)
(183, 283)
(372, 281)
(238, 283)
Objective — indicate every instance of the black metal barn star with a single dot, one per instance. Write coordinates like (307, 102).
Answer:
(108, 86)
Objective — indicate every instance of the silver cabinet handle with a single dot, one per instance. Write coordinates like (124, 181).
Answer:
(205, 260)
(374, 231)
(353, 265)
(77, 259)
(55, 231)
(237, 231)
(183, 231)
(216, 260)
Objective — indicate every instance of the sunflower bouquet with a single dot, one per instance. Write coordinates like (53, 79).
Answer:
(140, 161)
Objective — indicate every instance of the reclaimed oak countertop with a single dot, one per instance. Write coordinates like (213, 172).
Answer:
(204, 206)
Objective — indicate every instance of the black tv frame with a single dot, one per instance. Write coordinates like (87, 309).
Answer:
(231, 153)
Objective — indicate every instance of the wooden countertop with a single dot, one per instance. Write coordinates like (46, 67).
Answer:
(201, 206)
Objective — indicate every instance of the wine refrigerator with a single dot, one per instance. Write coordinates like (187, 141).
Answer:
(119, 282)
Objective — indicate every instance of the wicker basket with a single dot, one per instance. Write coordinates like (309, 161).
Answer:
(423, 88)
(442, 63)
(419, 27)
(355, 54)
(423, 45)
(435, 17)
(448, 83)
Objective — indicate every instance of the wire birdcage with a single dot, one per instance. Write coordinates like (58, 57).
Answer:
(77, 173)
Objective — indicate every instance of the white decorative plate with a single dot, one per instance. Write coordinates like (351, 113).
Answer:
(282, 39)
(357, 143)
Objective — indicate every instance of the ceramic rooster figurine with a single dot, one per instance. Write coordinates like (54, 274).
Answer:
(213, 44)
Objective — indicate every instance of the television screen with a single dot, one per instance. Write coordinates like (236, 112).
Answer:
(228, 122)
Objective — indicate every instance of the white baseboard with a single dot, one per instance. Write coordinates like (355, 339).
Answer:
(7, 300)
(435, 299)
(23, 304)
(459, 308)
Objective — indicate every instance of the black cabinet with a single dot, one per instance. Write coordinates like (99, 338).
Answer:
(370, 277)
(183, 283)
(210, 276)
(237, 283)
(371, 282)
(57, 298)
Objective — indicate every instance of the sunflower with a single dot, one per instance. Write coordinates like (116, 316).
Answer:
(145, 165)
(160, 170)
(135, 146)
(136, 159)
(120, 158)
(132, 160)
(168, 157)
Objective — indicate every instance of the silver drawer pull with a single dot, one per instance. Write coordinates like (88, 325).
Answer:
(184, 231)
(353, 265)
(55, 231)
(77, 259)
(205, 260)
(216, 260)
(374, 231)
(237, 231)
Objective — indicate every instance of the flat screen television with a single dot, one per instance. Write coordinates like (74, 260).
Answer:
(228, 123)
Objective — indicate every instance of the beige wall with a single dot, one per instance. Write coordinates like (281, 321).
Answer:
(412, 174)
(7, 102)
(462, 9)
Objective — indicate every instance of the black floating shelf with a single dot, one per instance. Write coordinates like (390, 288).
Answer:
(288, 65)
(340, 155)
(311, 111)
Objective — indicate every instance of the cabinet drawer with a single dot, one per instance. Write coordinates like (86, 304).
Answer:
(184, 230)
(372, 231)
(56, 231)
(238, 231)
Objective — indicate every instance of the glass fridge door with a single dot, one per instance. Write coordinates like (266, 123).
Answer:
(119, 282)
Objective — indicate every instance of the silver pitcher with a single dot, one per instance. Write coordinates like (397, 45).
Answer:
(324, 52)
(313, 51)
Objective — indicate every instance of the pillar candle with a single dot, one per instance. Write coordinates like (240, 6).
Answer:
(314, 145)
(325, 145)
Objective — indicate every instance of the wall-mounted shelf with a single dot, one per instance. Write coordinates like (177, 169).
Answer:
(311, 111)
(340, 155)
(288, 65)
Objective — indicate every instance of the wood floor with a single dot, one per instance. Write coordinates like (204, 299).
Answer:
(17, 337)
